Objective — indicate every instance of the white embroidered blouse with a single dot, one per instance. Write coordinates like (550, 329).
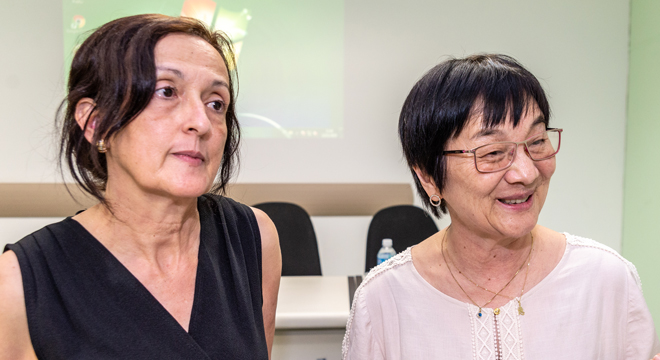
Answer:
(589, 307)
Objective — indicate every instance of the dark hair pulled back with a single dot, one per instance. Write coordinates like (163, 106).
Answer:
(115, 66)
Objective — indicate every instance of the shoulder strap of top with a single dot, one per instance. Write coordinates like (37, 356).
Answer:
(228, 288)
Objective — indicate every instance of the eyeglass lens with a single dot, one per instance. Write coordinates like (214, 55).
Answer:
(498, 156)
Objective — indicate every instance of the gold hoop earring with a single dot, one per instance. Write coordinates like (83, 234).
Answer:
(100, 146)
(435, 200)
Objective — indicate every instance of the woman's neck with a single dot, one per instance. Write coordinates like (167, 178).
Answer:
(485, 259)
(148, 226)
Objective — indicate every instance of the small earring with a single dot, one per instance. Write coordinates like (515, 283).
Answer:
(435, 200)
(100, 145)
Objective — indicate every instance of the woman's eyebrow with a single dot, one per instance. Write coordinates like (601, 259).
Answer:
(220, 83)
(180, 75)
(485, 132)
(539, 120)
(176, 72)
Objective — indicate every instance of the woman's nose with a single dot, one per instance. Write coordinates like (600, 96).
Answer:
(196, 117)
(523, 169)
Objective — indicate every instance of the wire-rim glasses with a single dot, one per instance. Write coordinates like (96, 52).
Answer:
(500, 155)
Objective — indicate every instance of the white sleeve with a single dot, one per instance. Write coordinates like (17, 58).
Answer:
(641, 338)
(359, 340)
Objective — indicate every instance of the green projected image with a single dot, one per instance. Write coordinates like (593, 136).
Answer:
(290, 56)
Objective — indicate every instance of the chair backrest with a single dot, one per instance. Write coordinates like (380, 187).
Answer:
(300, 252)
(406, 225)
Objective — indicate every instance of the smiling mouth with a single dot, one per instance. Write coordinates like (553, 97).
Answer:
(514, 201)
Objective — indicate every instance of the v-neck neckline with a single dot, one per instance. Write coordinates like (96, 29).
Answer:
(135, 283)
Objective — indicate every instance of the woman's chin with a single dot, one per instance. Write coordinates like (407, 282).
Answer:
(187, 190)
(192, 193)
(519, 227)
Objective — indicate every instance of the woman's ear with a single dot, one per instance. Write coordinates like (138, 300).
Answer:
(86, 115)
(427, 182)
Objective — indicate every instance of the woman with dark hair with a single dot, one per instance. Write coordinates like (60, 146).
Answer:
(159, 269)
(494, 284)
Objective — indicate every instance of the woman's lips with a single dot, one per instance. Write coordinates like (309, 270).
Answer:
(517, 202)
(191, 157)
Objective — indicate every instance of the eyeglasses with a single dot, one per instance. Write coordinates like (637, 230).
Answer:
(500, 155)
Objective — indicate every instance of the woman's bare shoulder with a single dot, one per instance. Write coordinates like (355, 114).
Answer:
(11, 283)
(266, 227)
(14, 332)
(270, 245)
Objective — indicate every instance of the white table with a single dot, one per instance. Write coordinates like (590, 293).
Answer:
(311, 317)
(313, 302)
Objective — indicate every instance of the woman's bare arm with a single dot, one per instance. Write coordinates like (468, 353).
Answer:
(271, 260)
(14, 333)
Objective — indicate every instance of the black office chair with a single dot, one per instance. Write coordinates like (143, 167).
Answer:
(300, 252)
(406, 225)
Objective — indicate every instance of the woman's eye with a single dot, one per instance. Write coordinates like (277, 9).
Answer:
(166, 92)
(537, 142)
(216, 105)
(494, 154)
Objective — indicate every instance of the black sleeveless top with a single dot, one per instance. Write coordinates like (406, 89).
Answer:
(82, 303)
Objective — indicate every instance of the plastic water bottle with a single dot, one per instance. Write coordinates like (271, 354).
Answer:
(386, 251)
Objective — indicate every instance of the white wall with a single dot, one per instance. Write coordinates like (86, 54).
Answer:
(578, 49)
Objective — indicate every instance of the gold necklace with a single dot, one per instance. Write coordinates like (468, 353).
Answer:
(496, 310)
(521, 311)
(520, 308)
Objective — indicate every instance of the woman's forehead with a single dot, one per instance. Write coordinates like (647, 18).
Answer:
(189, 50)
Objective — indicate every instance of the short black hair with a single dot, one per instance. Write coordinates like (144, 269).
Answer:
(115, 66)
(444, 100)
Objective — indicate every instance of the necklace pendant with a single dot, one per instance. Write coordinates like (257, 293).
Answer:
(479, 314)
(497, 311)
(520, 309)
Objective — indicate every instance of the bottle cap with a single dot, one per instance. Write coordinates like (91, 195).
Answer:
(387, 243)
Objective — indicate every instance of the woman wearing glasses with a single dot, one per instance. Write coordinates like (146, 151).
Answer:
(494, 284)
